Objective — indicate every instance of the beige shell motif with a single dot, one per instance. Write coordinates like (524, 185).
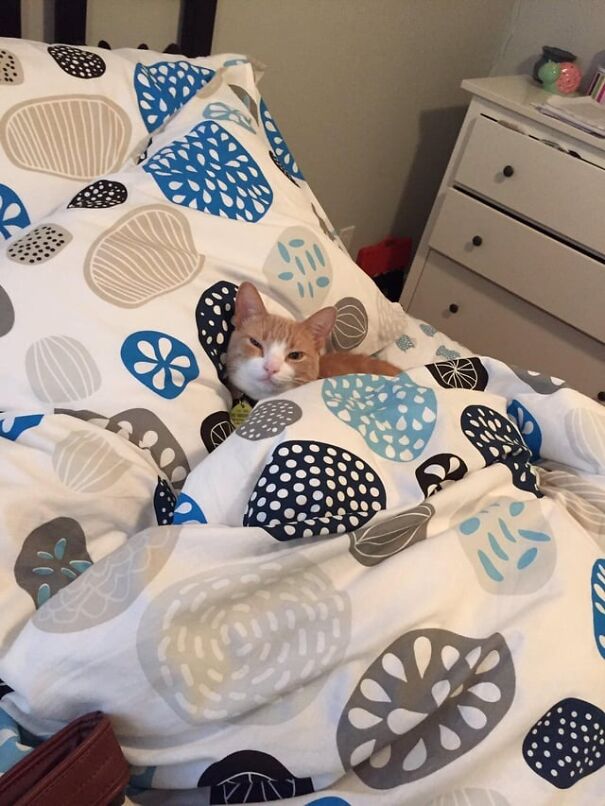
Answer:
(86, 463)
(147, 253)
(75, 136)
(60, 369)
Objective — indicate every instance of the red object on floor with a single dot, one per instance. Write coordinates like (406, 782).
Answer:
(388, 255)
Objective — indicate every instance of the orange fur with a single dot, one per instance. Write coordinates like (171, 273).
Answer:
(333, 364)
(268, 354)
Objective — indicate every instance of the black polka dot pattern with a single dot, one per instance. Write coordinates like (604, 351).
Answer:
(10, 69)
(103, 193)
(215, 429)
(497, 440)
(460, 373)
(39, 244)
(164, 501)
(567, 743)
(433, 474)
(77, 62)
(312, 488)
(213, 315)
(269, 419)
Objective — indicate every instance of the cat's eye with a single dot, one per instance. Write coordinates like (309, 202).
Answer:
(295, 355)
(255, 343)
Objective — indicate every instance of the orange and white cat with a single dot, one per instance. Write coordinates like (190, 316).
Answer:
(269, 354)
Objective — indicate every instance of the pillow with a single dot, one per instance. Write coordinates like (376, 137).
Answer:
(70, 114)
(119, 311)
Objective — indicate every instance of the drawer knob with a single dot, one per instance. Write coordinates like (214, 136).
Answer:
(453, 308)
(601, 396)
(477, 240)
(508, 170)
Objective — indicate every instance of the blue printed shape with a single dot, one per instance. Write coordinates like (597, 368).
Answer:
(279, 146)
(298, 267)
(13, 215)
(510, 547)
(405, 343)
(187, 511)
(395, 416)
(13, 427)
(217, 110)
(208, 170)
(160, 362)
(597, 586)
(498, 440)
(12, 749)
(428, 330)
(567, 743)
(329, 800)
(164, 87)
(528, 426)
(233, 62)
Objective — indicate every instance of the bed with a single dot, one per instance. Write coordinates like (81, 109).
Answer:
(365, 590)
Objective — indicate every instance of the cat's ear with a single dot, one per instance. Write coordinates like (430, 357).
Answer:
(248, 303)
(321, 323)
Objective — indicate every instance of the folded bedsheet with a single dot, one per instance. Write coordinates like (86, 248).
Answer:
(369, 593)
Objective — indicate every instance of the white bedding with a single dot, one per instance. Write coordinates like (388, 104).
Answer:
(409, 657)
(375, 590)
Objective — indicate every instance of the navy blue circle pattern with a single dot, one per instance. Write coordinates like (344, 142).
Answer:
(567, 743)
(164, 502)
(214, 319)
(77, 62)
(100, 194)
(497, 440)
(311, 488)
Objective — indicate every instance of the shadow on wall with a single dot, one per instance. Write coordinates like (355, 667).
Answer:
(438, 132)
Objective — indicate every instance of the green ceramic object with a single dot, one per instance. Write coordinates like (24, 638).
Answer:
(548, 74)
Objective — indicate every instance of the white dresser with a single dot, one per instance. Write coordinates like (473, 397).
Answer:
(512, 260)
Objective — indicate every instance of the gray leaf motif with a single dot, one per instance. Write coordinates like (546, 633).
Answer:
(111, 586)
(373, 544)
(430, 697)
(52, 556)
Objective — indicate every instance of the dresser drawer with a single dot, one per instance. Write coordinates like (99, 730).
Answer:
(536, 267)
(493, 322)
(562, 193)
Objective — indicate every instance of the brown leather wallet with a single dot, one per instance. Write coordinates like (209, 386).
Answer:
(81, 765)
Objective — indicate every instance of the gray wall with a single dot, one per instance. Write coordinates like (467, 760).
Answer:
(576, 25)
(366, 94)
(367, 91)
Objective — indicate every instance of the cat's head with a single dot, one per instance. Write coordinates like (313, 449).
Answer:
(268, 354)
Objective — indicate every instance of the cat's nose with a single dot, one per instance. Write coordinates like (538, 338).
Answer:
(271, 366)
